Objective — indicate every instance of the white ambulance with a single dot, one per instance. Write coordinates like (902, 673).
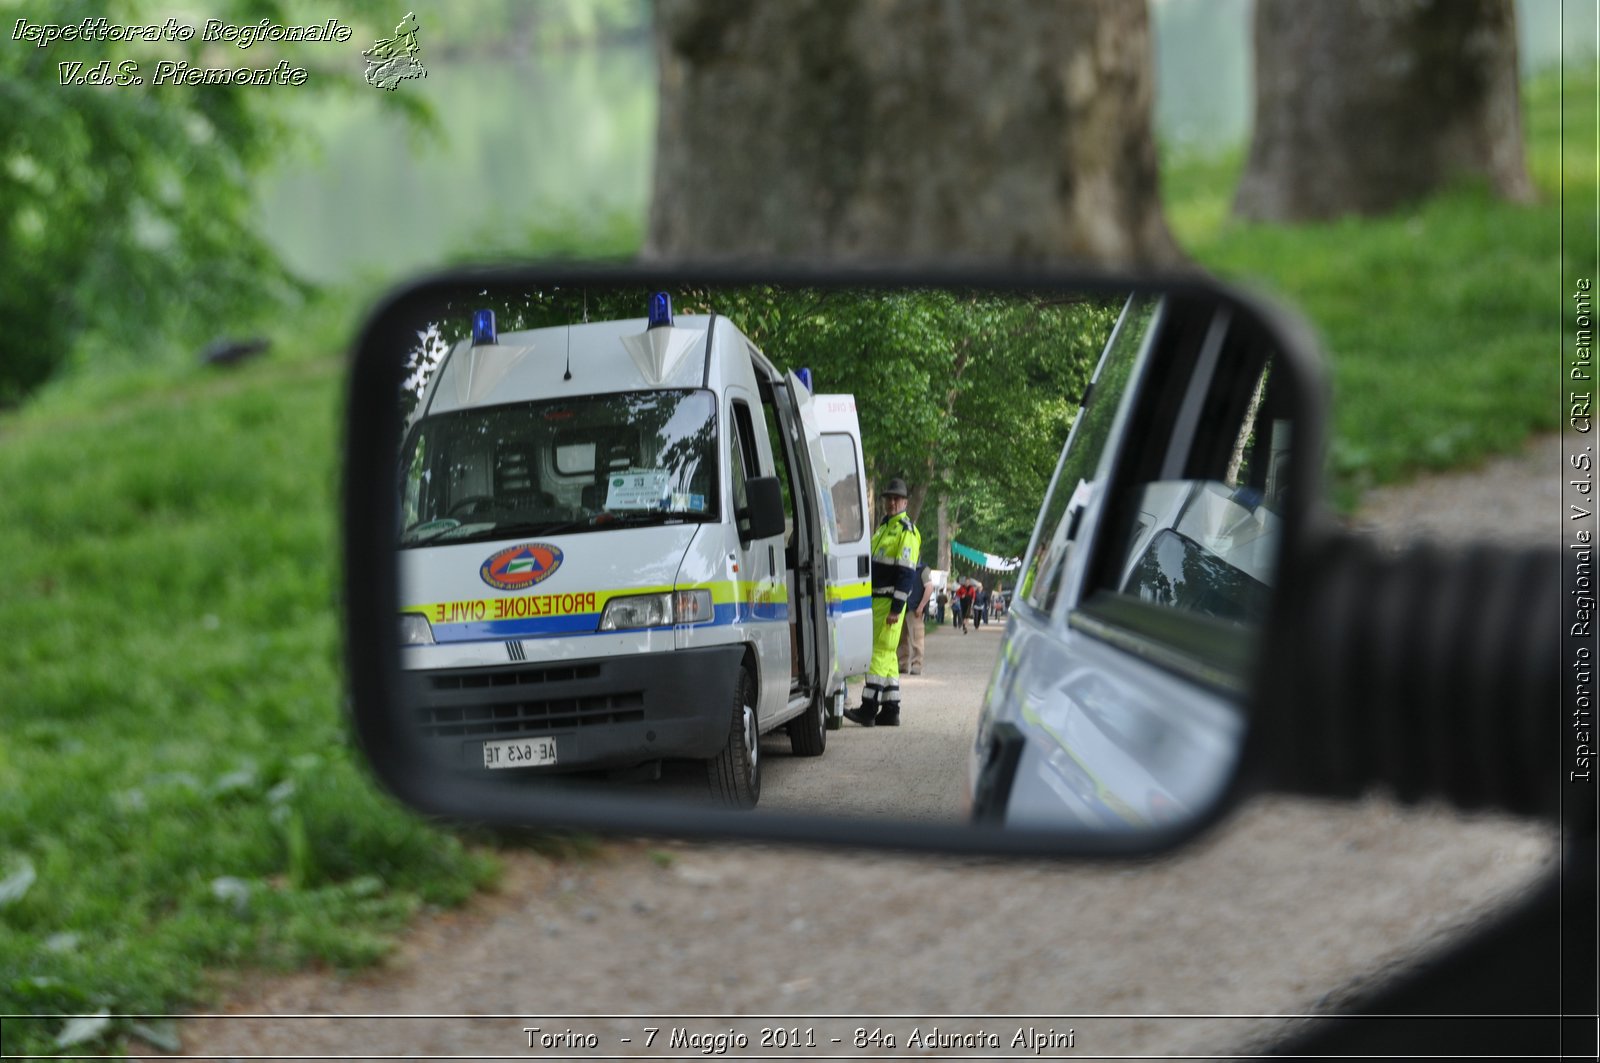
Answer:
(627, 542)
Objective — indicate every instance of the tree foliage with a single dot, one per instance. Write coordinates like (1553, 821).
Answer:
(126, 218)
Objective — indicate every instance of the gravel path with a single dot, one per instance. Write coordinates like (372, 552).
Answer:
(1287, 905)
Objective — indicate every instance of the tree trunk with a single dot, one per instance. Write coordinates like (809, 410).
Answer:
(916, 500)
(946, 532)
(909, 129)
(1363, 106)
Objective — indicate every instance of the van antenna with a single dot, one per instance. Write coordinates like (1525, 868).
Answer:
(568, 374)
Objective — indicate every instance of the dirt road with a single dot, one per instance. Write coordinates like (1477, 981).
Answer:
(1286, 906)
(914, 772)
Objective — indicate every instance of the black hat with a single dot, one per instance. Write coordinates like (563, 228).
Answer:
(897, 488)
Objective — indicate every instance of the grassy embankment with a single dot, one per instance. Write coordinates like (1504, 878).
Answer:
(176, 787)
(176, 790)
(1440, 321)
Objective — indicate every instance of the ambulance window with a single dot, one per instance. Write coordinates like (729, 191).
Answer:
(575, 459)
(737, 473)
(745, 430)
(1045, 574)
(844, 484)
(780, 461)
(469, 471)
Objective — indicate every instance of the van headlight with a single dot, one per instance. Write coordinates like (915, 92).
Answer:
(656, 610)
(415, 630)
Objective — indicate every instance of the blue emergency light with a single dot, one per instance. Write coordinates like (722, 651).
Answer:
(483, 327)
(805, 378)
(660, 310)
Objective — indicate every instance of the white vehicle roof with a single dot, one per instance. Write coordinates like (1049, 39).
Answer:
(605, 356)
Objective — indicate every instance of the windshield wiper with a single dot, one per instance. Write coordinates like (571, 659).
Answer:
(653, 516)
(477, 531)
(411, 538)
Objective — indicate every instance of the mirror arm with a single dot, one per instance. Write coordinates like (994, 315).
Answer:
(1429, 671)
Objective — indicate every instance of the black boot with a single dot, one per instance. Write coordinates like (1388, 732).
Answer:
(888, 717)
(865, 716)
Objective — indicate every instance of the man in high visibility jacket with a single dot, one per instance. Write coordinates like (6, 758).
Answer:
(896, 549)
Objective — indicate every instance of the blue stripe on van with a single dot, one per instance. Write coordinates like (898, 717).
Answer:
(585, 624)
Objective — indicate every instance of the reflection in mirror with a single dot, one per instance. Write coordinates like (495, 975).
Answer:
(1119, 700)
(637, 546)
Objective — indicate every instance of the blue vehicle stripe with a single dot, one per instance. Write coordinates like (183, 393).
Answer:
(581, 624)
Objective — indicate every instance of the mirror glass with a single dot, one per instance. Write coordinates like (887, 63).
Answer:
(682, 545)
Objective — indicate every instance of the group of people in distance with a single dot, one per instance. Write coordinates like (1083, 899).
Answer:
(971, 602)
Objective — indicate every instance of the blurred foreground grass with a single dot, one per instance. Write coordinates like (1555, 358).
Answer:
(176, 788)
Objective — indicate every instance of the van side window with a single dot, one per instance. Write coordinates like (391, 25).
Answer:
(741, 456)
(780, 461)
(844, 484)
(1080, 460)
(747, 438)
(1206, 525)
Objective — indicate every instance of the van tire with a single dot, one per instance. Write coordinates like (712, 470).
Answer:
(734, 774)
(808, 732)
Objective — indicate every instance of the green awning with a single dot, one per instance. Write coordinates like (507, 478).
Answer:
(985, 561)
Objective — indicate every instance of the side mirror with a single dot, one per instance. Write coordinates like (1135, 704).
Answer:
(629, 663)
(762, 516)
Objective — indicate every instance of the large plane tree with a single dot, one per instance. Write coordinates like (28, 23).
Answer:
(1010, 129)
(1361, 107)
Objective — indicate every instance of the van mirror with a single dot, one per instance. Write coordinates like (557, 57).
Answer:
(762, 517)
(568, 508)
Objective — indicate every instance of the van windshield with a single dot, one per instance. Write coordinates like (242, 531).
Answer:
(594, 462)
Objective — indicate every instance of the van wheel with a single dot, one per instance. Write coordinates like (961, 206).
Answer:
(808, 732)
(735, 773)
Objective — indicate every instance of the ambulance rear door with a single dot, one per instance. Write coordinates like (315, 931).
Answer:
(833, 437)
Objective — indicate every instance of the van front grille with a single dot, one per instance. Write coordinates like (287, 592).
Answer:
(491, 702)
(478, 678)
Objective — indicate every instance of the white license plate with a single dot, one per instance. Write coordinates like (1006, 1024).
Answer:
(519, 753)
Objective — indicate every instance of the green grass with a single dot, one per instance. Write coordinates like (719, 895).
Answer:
(175, 774)
(1440, 321)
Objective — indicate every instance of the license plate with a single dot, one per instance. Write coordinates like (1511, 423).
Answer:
(519, 753)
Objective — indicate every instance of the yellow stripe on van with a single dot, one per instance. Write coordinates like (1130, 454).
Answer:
(848, 591)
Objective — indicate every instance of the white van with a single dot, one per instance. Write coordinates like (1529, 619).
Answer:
(625, 542)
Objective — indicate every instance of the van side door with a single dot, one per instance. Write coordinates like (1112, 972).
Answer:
(833, 437)
(759, 591)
